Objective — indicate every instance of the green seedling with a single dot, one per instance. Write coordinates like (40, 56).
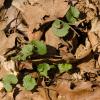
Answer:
(72, 14)
(60, 28)
(29, 83)
(29, 49)
(43, 69)
(40, 47)
(64, 67)
(8, 81)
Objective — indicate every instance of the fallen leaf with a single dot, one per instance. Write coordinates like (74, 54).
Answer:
(94, 34)
(46, 10)
(1, 2)
(87, 66)
(6, 42)
(1, 85)
(51, 39)
(9, 66)
(82, 52)
(83, 91)
(27, 95)
(6, 96)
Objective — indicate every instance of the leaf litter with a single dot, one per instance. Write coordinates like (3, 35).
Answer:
(70, 31)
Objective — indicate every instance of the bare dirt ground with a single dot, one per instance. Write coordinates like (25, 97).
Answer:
(22, 21)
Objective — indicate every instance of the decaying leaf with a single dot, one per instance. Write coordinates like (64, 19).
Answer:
(81, 91)
(83, 51)
(1, 2)
(94, 36)
(6, 43)
(27, 95)
(34, 19)
(87, 66)
(51, 39)
(9, 66)
(1, 86)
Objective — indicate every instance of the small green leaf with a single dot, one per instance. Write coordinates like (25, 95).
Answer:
(8, 87)
(12, 79)
(43, 69)
(72, 14)
(40, 47)
(64, 67)
(34, 47)
(27, 49)
(8, 80)
(74, 11)
(60, 28)
(70, 18)
(29, 83)
(20, 57)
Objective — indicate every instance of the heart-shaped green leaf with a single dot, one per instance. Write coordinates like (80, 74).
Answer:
(72, 14)
(74, 11)
(12, 79)
(60, 28)
(8, 80)
(43, 69)
(8, 87)
(40, 47)
(29, 83)
(27, 49)
(64, 67)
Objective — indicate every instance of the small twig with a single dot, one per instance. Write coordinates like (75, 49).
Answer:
(74, 31)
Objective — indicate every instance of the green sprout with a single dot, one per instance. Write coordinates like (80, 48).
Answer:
(29, 83)
(8, 80)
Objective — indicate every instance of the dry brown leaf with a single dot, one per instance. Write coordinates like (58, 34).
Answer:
(90, 5)
(25, 65)
(6, 43)
(51, 39)
(27, 95)
(87, 66)
(64, 53)
(32, 2)
(6, 96)
(7, 67)
(1, 86)
(36, 35)
(33, 19)
(82, 91)
(3, 72)
(43, 11)
(1, 2)
(11, 17)
(81, 86)
(44, 94)
(52, 93)
(82, 52)
(88, 8)
(19, 4)
(94, 34)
